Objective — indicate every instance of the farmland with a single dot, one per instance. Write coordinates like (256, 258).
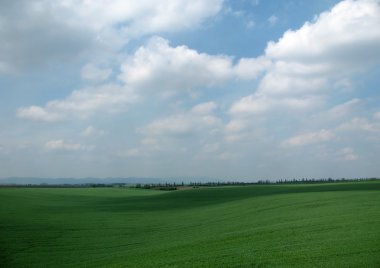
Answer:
(290, 225)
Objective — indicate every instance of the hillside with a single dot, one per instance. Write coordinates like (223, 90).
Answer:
(319, 225)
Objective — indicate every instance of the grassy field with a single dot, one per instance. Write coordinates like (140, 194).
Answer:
(325, 225)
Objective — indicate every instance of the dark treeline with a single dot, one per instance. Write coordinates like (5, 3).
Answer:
(170, 186)
(313, 180)
(174, 186)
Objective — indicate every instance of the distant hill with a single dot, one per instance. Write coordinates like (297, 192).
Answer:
(55, 181)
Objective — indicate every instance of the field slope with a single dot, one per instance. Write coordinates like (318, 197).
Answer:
(322, 225)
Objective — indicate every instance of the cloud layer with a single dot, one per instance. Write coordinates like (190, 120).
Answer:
(155, 69)
(151, 102)
(308, 62)
(50, 32)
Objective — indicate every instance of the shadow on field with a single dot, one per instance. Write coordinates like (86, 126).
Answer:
(209, 196)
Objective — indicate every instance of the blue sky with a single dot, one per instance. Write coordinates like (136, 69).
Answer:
(240, 90)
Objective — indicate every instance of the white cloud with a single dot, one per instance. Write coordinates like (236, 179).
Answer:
(60, 145)
(336, 114)
(312, 62)
(194, 129)
(251, 68)
(88, 131)
(81, 104)
(343, 109)
(347, 34)
(32, 35)
(236, 125)
(276, 84)
(359, 124)
(40, 31)
(91, 131)
(309, 138)
(246, 129)
(38, 113)
(293, 84)
(155, 68)
(258, 104)
(162, 68)
(94, 73)
(204, 108)
(251, 104)
(272, 20)
(152, 16)
(346, 154)
(146, 16)
(200, 118)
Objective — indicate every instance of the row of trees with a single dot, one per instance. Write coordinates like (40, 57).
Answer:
(169, 186)
(322, 180)
(174, 185)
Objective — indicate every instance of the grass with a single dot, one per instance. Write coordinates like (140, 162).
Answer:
(322, 225)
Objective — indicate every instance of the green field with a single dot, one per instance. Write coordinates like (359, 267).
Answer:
(323, 225)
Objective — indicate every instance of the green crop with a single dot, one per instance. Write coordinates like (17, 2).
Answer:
(314, 225)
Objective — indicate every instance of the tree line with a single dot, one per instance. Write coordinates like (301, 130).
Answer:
(169, 186)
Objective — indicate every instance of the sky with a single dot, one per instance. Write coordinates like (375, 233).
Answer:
(226, 89)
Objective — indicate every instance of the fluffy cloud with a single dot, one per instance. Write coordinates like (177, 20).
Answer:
(198, 119)
(297, 98)
(38, 113)
(195, 128)
(91, 131)
(32, 35)
(257, 104)
(347, 34)
(272, 20)
(309, 138)
(343, 109)
(346, 154)
(94, 73)
(251, 68)
(60, 145)
(146, 16)
(311, 62)
(166, 69)
(81, 104)
(155, 68)
(278, 84)
(66, 29)
(359, 124)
